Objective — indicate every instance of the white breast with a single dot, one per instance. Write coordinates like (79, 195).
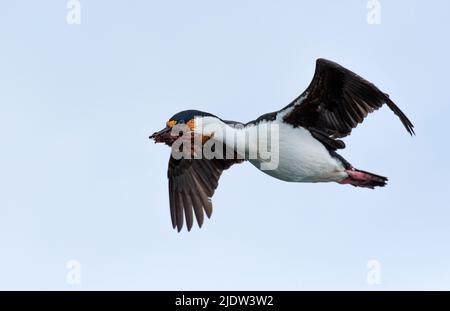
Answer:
(302, 158)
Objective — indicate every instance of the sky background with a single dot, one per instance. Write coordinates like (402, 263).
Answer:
(81, 181)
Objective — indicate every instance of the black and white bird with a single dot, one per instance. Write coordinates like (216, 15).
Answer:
(309, 131)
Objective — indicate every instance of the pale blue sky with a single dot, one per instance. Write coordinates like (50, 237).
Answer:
(80, 179)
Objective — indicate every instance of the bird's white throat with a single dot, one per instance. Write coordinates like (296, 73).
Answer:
(258, 142)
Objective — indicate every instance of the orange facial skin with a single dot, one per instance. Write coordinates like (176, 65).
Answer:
(171, 123)
(191, 124)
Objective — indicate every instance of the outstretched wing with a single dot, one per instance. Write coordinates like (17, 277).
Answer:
(192, 183)
(337, 100)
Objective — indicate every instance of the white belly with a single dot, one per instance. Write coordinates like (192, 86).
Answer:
(302, 158)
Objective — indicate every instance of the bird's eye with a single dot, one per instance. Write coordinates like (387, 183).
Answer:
(180, 122)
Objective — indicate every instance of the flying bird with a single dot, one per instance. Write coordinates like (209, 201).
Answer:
(309, 132)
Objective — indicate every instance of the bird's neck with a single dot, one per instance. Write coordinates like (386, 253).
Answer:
(220, 131)
(238, 137)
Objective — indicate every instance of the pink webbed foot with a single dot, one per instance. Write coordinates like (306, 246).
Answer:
(359, 178)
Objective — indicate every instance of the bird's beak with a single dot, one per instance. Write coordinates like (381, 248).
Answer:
(162, 136)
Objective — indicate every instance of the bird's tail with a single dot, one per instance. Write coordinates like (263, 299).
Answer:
(364, 179)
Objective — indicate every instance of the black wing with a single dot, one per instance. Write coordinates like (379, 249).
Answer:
(192, 183)
(337, 100)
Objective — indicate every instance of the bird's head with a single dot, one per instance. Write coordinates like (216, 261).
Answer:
(180, 122)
